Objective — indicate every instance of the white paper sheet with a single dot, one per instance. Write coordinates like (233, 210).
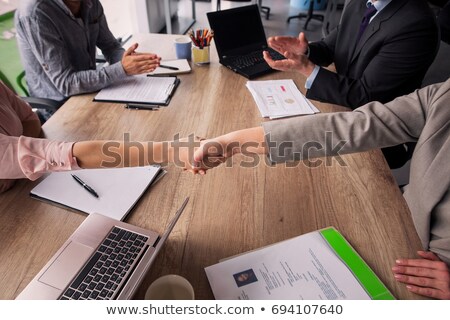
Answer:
(139, 89)
(280, 98)
(118, 189)
(304, 267)
(182, 65)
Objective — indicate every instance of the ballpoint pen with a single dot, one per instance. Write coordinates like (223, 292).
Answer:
(168, 67)
(84, 185)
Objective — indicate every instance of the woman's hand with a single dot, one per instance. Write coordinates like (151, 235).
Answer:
(428, 276)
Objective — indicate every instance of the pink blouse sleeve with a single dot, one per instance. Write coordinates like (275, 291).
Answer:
(25, 157)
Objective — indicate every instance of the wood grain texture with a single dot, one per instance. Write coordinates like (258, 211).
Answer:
(231, 209)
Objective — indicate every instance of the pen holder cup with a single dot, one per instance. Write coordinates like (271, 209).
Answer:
(200, 56)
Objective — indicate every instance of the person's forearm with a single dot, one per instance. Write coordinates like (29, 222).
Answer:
(116, 154)
(250, 140)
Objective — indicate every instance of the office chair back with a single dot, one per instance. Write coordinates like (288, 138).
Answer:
(332, 16)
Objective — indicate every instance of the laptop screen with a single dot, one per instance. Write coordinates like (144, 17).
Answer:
(237, 31)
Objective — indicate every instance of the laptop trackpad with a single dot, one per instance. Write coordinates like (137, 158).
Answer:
(66, 265)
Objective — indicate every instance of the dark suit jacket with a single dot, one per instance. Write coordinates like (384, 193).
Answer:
(390, 60)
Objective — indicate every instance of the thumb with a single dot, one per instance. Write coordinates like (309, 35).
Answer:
(131, 49)
(199, 154)
(302, 37)
(267, 56)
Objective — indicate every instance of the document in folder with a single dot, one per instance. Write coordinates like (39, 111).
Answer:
(118, 189)
(320, 265)
(140, 89)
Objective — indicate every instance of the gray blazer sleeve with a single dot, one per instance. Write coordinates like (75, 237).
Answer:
(375, 125)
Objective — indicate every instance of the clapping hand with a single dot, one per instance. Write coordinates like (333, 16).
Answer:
(294, 50)
(284, 44)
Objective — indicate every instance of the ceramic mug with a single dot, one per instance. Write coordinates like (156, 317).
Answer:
(170, 287)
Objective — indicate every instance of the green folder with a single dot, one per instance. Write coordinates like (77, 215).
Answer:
(366, 277)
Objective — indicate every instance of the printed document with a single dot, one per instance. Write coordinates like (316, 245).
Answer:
(304, 267)
(139, 89)
(280, 98)
(118, 189)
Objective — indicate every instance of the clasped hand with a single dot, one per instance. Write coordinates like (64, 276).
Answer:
(137, 63)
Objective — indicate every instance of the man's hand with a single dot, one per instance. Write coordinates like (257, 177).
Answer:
(294, 49)
(136, 63)
(289, 44)
(428, 276)
(293, 61)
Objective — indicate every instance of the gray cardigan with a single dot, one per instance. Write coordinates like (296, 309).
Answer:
(422, 116)
(58, 50)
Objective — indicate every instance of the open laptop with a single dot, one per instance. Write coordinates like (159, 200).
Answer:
(103, 259)
(240, 40)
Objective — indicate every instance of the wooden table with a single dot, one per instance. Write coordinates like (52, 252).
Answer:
(231, 210)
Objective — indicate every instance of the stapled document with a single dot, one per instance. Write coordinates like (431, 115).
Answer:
(280, 98)
(320, 265)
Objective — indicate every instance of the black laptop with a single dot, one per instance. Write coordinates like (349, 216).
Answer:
(240, 40)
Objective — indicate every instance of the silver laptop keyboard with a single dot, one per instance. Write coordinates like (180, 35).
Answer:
(104, 274)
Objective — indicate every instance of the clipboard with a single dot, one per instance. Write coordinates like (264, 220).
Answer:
(141, 90)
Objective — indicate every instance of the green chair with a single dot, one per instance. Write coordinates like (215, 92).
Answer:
(48, 105)
(12, 73)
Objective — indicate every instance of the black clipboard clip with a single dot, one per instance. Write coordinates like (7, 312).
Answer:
(142, 106)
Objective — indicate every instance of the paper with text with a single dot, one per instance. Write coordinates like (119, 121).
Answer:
(280, 98)
(304, 267)
(139, 89)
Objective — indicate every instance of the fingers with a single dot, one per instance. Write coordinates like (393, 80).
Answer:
(421, 264)
(428, 277)
(282, 65)
(429, 292)
(418, 281)
(131, 49)
(140, 63)
(428, 255)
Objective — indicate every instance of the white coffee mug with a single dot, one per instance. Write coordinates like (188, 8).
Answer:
(170, 287)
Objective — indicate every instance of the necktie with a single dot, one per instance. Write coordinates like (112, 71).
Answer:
(370, 12)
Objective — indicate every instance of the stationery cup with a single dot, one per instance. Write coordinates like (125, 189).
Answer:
(200, 56)
(170, 287)
(183, 48)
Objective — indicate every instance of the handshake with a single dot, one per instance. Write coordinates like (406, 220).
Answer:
(210, 153)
